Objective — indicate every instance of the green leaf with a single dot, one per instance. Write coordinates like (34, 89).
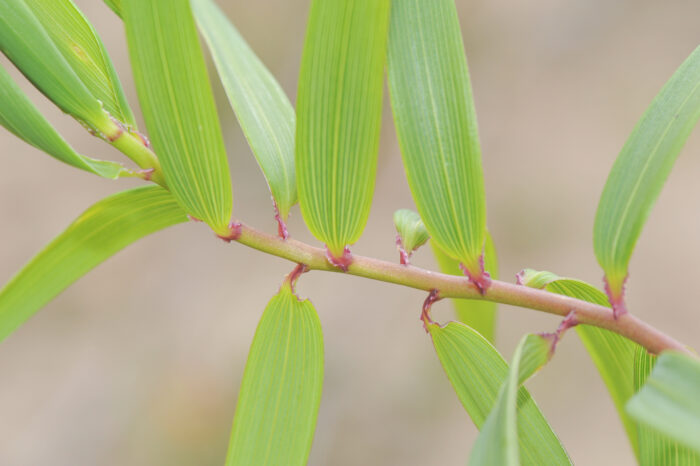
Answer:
(339, 109)
(612, 354)
(115, 5)
(411, 231)
(19, 115)
(436, 125)
(82, 48)
(478, 314)
(263, 110)
(178, 107)
(281, 388)
(100, 232)
(668, 408)
(641, 169)
(25, 42)
(477, 371)
(498, 441)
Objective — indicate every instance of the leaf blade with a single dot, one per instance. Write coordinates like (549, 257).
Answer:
(281, 389)
(338, 117)
(178, 107)
(263, 110)
(101, 231)
(436, 125)
(641, 169)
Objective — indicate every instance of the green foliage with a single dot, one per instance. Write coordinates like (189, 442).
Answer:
(281, 389)
(19, 115)
(339, 109)
(641, 169)
(263, 110)
(410, 229)
(100, 232)
(477, 371)
(436, 125)
(178, 106)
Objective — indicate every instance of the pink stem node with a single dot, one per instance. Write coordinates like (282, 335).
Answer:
(432, 298)
(146, 173)
(120, 130)
(403, 255)
(294, 276)
(616, 299)
(343, 262)
(556, 336)
(235, 229)
(282, 231)
(482, 282)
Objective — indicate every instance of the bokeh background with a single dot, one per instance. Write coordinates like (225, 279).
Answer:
(140, 362)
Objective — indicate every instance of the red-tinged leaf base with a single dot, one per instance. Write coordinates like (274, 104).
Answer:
(433, 297)
(234, 232)
(282, 231)
(404, 256)
(554, 337)
(616, 297)
(343, 262)
(481, 280)
(294, 275)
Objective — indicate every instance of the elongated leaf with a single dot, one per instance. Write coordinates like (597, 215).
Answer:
(82, 48)
(612, 354)
(263, 110)
(498, 441)
(178, 107)
(436, 125)
(668, 402)
(477, 371)
(656, 448)
(339, 108)
(115, 5)
(100, 232)
(478, 314)
(411, 232)
(25, 42)
(641, 169)
(281, 389)
(19, 115)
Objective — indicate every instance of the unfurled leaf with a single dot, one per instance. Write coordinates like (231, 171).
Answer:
(281, 389)
(178, 107)
(668, 409)
(339, 109)
(641, 169)
(411, 231)
(612, 354)
(654, 447)
(498, 441)
(263, 110)
(82, 48)
(476, 313)
(436, 125)
(25, 42)
(19, 115)
(477, 371)
(100, 232)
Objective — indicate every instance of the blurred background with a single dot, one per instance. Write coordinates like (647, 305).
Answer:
(139, 363)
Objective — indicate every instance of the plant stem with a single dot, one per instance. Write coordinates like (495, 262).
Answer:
(453, 286)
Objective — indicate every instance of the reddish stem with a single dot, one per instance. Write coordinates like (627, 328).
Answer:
(235, 229)
(403, 255)
(343, 262)
(433, 297)
(281, 226)
(568, 322)
(294, 276)
(482, 282)
(617, 300)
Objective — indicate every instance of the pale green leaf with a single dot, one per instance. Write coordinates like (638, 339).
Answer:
(411, 230)
(476, 313)
(436, 125)
(477, 371)
(339, 109)
(115, 5)
(82, 48)
(25, 42)
(19, 115)
(263, 110)
(178, 107)
(498, 441)
(281, 389)
(655, 447)
(641, 169)
(612, 354)
(100, 232)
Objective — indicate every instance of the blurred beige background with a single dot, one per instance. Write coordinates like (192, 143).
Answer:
(139, 363)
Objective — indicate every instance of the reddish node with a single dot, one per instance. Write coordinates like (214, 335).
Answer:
(520, 277)
(294, 276)
(144, 139)
(343, 262)
(403, 255)
(147, 173)
(120, 127)
(617, 301)
(556, 336)
(235, 232)
(482, 282)
(433, 297)
(281, 226)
